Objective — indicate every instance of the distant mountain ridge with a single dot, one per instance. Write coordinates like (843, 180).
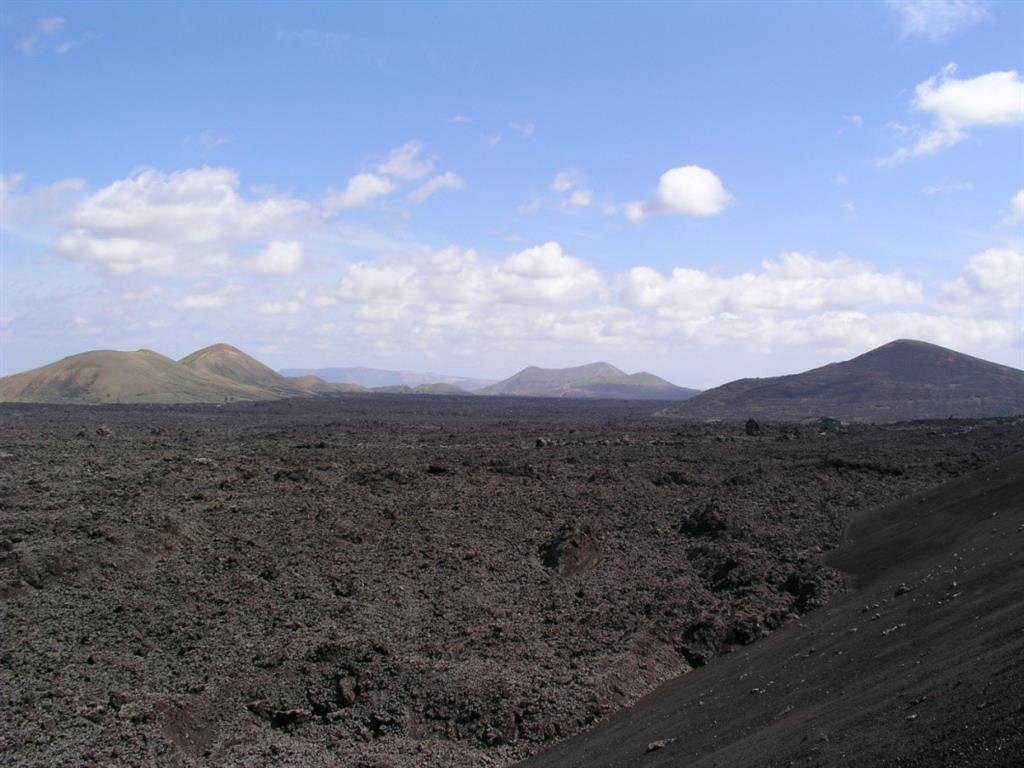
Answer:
(379, 377)
(588, 381)
(143, 376)
(899, 381)
(215, 374)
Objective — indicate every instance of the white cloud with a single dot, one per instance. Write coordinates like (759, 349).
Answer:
(402, 164)
(992, 283)
(855, 120)
(278, 258)
(635, 211)
(454, 276)
(183, 222)
(1016, 212)
(360, 190)
(405, 162)
(544, 274)
(687, 191)
(581, 197)
(690, 190)
(795, 283)
(565, 181)
(280, 308)
(567, 184)
(850, 208)
(540, 301)
(447, 180)
(28, 212)
(523, 128)
(938, 19)
(995, 98)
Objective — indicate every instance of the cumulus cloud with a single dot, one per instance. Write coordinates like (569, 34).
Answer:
(360, 190)
(541, 299)
(278, 258)
(938, 19)
(542, 274)
(447, 180)
(407, 162)
(186, 221)
(992, 283)
(956, 105)
(996, 98)
(689, 190)
(1016, 213)
(794, 283)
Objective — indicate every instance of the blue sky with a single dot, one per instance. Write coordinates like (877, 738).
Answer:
(705, 191)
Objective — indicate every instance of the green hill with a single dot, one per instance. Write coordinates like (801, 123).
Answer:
(233, 364)
(108, 376)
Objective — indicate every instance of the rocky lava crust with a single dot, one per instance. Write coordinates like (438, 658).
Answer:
(403, 580)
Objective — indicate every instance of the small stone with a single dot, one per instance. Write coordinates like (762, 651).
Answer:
(654, 746)
(753, 428)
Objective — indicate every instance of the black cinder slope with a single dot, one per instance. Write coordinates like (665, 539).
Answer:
(917, 665)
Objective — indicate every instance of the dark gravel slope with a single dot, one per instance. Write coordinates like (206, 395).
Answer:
(920, 663)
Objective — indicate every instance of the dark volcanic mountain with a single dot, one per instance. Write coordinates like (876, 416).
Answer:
(899, 381)
(593, 380)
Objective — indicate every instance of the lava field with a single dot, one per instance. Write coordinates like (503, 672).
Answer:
(375, 580)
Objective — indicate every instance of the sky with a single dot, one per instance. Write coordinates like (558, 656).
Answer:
(705, 190)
